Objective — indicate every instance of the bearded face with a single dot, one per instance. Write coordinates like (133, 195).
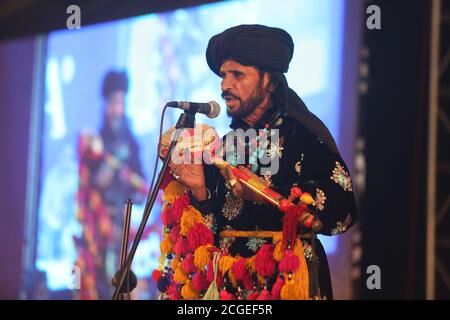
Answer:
(243, 88)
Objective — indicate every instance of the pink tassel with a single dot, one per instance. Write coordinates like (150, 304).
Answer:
(199, 235)
(290, 263)
(175, 233)
(276, 289)
(210, 275)
(252, 296)
(188, 265)
(290, 224)
(199, 282)
(178, 206)
(264, 295)
(241, 273)
(181, 247)
(264, 263)
(173, 292)
(166, 216)
(225, 295)
(156, 274)
(166, 180)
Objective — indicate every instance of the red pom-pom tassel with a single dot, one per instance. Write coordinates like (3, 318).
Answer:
(290, 224)
(264, 263)
(199, 282)
(188, 265)
(290, 262)
(241, 273)
(178, 206)
(156, 274)
(181, 247)
(264, 295)
(225, 295)
(175, 233)
(166, 216)
(276, 288)
(199, 235)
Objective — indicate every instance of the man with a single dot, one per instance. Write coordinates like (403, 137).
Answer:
(110, 173)
(252, 60)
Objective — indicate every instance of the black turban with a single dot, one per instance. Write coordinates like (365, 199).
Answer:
(114, 81)
(255, 45)
(269, 49)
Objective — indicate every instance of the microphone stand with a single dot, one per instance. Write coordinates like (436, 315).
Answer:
(131, 281)
(186, 120)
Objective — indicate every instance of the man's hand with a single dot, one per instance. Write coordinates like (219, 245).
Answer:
(192, 176)
(239, 189)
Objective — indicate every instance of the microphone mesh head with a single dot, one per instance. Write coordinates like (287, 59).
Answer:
(215, 110)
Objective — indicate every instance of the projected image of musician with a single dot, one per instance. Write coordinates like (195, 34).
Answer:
(110, 173)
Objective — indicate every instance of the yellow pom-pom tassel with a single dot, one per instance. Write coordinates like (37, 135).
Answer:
(179, 276)
(175, 264)
(190, 217)
(296, 288)
(278, 252)
(172, 191)
(166, 245)
(225, 264)
(297, 284)
(298, 249)
(187, 292)
(202, 257)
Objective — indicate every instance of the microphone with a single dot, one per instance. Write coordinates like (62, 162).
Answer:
(210, 109)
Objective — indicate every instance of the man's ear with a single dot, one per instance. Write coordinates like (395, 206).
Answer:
(267, 83)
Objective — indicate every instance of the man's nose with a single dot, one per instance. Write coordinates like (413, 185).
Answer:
(226, 83)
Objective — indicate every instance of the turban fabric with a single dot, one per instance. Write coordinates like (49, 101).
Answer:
(268, 49)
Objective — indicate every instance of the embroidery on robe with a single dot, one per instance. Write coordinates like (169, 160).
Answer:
(210, 222)
(308, 251)
(320, 199)
(253, 244)
(298, 165)
(341, 227)
(341, 177)
(226, 243)
(233, 206)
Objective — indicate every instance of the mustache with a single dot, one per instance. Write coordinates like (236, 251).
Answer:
(228, 93)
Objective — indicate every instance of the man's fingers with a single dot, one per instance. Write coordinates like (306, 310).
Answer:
(230, 173)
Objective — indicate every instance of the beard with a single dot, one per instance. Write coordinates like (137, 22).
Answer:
(246, 106)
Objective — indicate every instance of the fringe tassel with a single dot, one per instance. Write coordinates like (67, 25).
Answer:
(172, 191)
(188, 264)
(187, 292)
(181, 247)
(265, 264)
(166, 245)
(190, 217)
(178, 206)
(202, 257)
(278, 252)
(199, 235)
(225, 264)
(264, 295)
(276, 288)
(179, 276)
(199, 282)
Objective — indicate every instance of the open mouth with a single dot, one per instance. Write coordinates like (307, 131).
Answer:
(229, 101)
